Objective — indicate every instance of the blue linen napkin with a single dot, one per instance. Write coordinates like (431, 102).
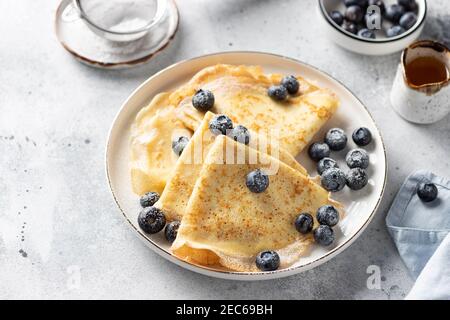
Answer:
(434, 280)
(419, 228)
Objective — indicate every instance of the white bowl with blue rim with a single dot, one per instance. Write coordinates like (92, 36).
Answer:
(381, 45)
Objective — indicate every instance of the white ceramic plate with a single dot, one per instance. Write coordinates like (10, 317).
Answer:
(360, 205)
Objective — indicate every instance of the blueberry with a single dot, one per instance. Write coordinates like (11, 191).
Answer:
(328, 215)
(325, 164)
(366, 33)
(257, 181)
(394, 31)
(350, 27)
(279, 93)
(427, 192)
(336, 139)
(356, 178)
(171, 230)
(324, 235)
(394, 13)
(378, 3)
(408, 20)
(240, 134)
(220, 124)
(333, 179)
(149, 199)
(304, 223)
(362, 136)
(291, 84)
(410, 5)
(354, 14)
(151, 220)
(317, 151)
(203, 100)
(268, 261)
(361, 3)
(357, 158)
(178, 145)
(337, 17)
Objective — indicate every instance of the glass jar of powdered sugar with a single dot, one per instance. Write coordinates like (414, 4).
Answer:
(120, 20)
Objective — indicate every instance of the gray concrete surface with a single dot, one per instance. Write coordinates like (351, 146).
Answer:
(61, 235)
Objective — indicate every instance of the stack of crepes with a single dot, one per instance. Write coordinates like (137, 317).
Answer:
(224, 224)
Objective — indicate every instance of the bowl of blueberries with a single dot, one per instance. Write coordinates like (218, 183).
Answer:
(373, 27)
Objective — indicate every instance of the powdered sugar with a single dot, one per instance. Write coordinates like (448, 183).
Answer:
(129, 25)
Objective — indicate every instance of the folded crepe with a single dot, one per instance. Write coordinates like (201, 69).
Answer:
(241, 93)
(174, 199)
(152, 160)
(226, 224)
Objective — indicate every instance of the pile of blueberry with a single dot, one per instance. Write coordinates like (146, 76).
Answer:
(332, 177)
(327, 216)
(152, 220)
(203, 100)
(289, 85)
(357, 20)
(222, 125)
